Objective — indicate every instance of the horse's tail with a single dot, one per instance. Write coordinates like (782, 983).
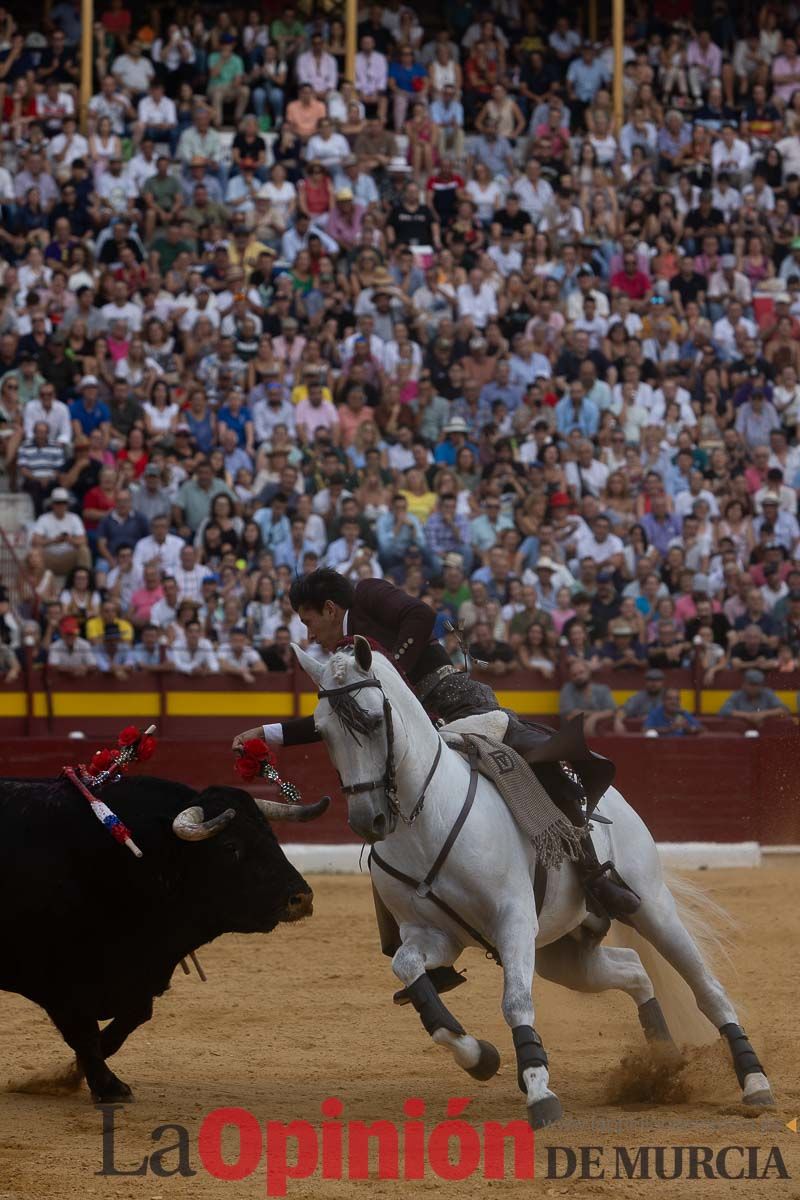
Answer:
(705, 921)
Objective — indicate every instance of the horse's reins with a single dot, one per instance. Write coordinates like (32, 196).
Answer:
(355, 724)
(353, 719)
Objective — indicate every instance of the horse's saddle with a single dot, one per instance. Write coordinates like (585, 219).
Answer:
(540, 745)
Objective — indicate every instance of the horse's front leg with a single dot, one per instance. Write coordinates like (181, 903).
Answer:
(424, 947)
(516, 941)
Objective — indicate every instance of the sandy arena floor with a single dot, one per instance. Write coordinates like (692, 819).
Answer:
(288, 1020)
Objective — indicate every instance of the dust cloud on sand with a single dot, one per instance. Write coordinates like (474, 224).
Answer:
(289, 1020)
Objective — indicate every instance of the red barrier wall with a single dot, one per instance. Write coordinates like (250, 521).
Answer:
(721, 787)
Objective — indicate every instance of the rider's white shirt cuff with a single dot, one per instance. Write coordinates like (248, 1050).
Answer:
(273, 734)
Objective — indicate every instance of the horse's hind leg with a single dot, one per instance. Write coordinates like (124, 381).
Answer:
(585, 966)
(659, 921)
(423, 948)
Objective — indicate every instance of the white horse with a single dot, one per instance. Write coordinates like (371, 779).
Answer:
(394, 764)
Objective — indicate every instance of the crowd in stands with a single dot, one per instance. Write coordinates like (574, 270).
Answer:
(447, 321)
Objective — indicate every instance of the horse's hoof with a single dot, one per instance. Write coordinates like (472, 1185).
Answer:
(757, 1092)
(488, 1064)
(763, 1099)
(545, 1112)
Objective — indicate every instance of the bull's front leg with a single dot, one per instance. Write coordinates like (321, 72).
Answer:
(119, 1030)
(421, 949)
(516, 942)
(82, 1035)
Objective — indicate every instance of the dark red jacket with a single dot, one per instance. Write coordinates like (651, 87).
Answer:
(403, 625)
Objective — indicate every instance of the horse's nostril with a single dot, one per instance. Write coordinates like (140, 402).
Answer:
(379, 824)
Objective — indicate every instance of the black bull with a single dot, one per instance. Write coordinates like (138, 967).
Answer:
(91, 933)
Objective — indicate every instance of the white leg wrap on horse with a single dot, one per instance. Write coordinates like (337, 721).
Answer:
(756, 1090)
(536, 1080)
(465, 1049)
(544, 1106)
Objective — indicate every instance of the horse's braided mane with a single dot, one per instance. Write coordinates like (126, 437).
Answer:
(348, 642)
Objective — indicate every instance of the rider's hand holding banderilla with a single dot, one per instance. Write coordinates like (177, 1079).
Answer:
(248, 735)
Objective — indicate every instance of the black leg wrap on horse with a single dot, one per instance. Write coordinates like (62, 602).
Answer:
(652, 1021)
(530, 1051)
(432, 1012)
(745, 1061)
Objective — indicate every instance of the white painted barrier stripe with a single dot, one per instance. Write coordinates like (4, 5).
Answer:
(343, 859)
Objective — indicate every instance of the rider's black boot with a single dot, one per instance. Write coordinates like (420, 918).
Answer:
(604, 888)
(607, 893)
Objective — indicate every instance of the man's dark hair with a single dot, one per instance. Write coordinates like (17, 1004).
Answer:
(325, 584)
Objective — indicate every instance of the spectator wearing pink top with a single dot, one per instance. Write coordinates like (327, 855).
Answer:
(315, 412)
(786, 72)
(704, 63)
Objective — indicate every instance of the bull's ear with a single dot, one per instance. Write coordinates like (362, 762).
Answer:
(363, 652)
(310, 665)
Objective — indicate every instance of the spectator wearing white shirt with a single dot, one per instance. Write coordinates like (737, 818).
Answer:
(586, 475)
(196, 656)
(61, 535)
(115, 190)
(270, 409)
(111, 102)
(477, 299)
(789, 150)
(160, 546)
(54, 413)
(594, 326)
(133, 71)
(785, 397)
(120, 308)
(725, 330)
(372, 78)
(238, 658)
(68, 145)
(71, 654)
(327, 147)
(730, 153)
(726, 198)
(729, 284)
(189, 575)
(638, 131)
(600, 544)
(317, 67)
(670, 392)
(535, 194)
(165, 610)
(586, 288)
(157, 118)
(142, 166)
(776, 489)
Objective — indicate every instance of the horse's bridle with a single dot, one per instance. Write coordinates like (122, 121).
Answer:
(389, 780)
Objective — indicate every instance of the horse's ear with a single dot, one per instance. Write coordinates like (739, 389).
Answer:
(310, 665)
(363, 652)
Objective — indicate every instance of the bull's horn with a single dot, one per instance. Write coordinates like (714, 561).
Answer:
(191, 825)
(274, 810)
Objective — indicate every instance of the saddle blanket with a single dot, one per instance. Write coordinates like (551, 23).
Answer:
(551, 833)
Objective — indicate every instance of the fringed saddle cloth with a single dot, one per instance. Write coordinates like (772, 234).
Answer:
(552, 834)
